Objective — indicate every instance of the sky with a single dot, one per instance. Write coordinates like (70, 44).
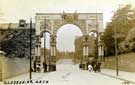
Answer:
(13, 10)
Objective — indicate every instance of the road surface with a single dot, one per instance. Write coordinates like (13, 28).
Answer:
(68, 73)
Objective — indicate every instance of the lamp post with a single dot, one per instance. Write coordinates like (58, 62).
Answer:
(116, 36)
(44, 42)
(30, 48)
(97, 36)
(117, 67)
(97, 46)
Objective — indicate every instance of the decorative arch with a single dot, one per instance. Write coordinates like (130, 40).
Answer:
(51, 22)
(80, 24)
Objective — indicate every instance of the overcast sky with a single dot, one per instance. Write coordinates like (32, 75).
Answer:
(14, 10)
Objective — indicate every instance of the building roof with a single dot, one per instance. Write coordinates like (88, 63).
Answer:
(15, 26)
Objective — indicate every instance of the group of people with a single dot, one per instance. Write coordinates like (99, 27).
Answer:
(46, 67)
(94, 65)
(36, 67)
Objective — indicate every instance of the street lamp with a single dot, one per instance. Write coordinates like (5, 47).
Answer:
(116, 36)
(117, 67)
(30, 48)
(44, 42)
(97, 36)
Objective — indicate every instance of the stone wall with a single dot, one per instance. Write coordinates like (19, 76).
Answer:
(10, 67)
(126, 62)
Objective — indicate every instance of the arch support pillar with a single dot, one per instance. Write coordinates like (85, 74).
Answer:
(52, 58)
(85, 51)
(37, 57)
(53, 53)
(85, 47)
(53, 48)
(38, 49)
(101, 50)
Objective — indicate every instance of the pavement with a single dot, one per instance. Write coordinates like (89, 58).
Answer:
(127, 77)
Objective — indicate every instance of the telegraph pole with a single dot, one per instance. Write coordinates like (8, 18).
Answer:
(44, 42)
(97, 37)
(116, 53)
(115, 42)
(30, 47)
(116, 50)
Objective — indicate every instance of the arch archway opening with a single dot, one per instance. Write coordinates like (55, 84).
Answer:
(93, 34)
(45, 46)
(45, 40)
(66, 36)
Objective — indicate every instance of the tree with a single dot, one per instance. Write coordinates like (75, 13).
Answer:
(15, 42)
(123, 20)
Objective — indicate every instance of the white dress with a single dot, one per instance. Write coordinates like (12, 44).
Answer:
(90, 68)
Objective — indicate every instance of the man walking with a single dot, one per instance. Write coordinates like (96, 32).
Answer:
(34, 66)
(45, 67)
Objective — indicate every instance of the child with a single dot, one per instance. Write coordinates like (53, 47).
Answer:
(90, 68)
